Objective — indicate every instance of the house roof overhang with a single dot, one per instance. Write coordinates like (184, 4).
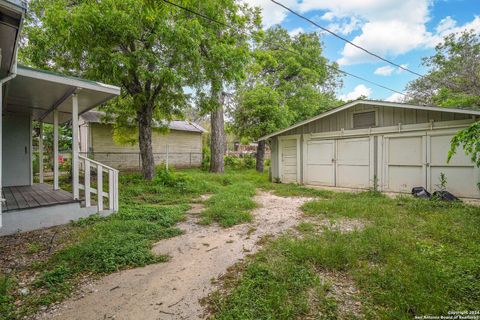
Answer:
(37, 93)
(373, 103)
(11, 19)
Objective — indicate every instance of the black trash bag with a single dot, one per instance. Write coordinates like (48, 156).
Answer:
(445, 195)
(421, 192)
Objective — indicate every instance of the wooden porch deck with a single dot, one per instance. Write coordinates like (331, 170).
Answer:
(34, 196)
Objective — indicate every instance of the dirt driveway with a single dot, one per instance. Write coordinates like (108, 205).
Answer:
(172, 290)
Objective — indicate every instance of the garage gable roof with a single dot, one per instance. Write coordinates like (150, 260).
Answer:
(373, 103)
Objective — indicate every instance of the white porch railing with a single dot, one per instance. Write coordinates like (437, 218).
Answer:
(111, 195)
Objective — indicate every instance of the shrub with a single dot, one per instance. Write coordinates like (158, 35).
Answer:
(249, 161)
(233, 162)
(205, 158)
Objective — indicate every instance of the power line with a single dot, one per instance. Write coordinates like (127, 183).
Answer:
(283, 48)
(346, 40)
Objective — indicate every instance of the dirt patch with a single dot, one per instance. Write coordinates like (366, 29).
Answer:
(343, 225)
(19, 252)
(172, 290)
(343, 291)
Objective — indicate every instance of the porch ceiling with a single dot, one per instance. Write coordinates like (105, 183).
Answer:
(37, 93)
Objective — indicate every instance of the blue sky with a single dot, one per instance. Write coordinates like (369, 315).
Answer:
(403, 31)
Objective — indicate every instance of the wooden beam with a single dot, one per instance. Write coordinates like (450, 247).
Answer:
(67, 94)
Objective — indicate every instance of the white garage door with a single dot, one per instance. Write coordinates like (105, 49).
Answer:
(405, 162)
(353, 163)
(288, 169)
(341, 163)
(320, 163)
(413, 160)
(461, 175)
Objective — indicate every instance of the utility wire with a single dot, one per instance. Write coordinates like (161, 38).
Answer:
(346, 40)
(284, 48)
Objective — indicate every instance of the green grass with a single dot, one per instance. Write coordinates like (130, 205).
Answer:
(148, 213)
(230, 206)
(414, 257)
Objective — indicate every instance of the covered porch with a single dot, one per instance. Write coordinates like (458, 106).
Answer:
(49, 98)
(34, 196)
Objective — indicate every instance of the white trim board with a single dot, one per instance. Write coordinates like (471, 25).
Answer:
(74, 82)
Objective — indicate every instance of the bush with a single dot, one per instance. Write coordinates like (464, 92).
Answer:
(205, 158)
(249, 161)
(233, 162)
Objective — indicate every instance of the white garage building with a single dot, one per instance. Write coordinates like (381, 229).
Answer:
(362, 143)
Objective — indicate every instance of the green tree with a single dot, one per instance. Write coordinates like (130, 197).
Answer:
(225, 53)
(288, 81)
(147, 47)
(454, 81)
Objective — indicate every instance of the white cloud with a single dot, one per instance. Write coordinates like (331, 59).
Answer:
(328, 16)
(384, 71)
(445, 24)
(386, 38)
(396, 97)
(360, 90)
(448, 26)
(272, 14)
(296, 31)
(346, 26)
(388, 70)
(387, 27)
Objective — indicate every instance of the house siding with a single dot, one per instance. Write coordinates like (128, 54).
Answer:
(386, 116)
(16, 150)
(184, 148)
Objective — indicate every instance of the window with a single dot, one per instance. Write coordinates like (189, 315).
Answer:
(364, 120)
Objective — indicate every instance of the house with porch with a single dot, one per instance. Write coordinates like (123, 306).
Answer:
(28, 95)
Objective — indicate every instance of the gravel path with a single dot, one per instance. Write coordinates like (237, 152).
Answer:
(172, 290)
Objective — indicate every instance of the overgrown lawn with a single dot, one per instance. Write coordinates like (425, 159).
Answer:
(414, 257)
(148, 213)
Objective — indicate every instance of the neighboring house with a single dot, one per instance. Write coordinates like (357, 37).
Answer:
(181, 146)
(26, 95)
(365, 143)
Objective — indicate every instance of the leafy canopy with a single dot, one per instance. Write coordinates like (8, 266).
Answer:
(453, 79)
(288, 81)
(147, 47)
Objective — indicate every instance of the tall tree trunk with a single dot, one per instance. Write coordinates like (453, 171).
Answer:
(217, 143)
(260, 156)
(144, 116)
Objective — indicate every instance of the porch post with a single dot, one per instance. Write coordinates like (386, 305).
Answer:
(1, 155)
(55, 150)
(75, 151)
(40, 153)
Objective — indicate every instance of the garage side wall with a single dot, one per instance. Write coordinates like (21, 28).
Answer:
(184, 148)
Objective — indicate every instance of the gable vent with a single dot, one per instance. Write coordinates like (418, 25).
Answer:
(364, 120)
